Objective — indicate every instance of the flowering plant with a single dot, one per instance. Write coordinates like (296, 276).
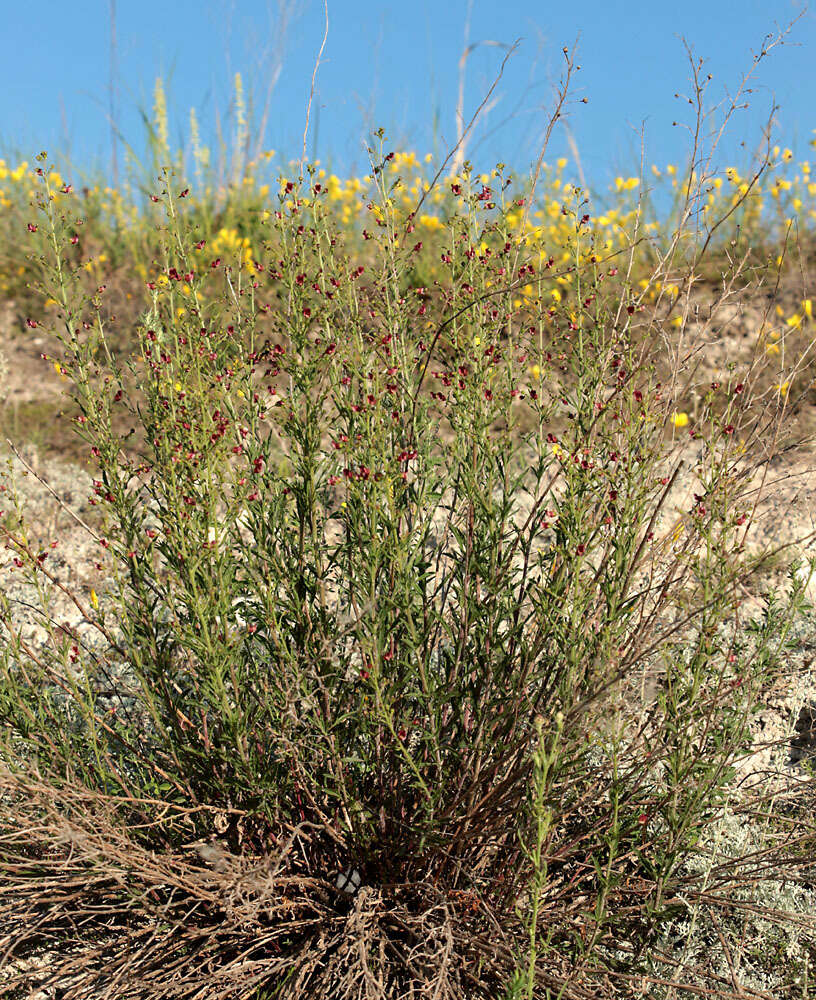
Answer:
(385, 560)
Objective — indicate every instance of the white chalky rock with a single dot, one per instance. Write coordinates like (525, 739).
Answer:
(349, 881)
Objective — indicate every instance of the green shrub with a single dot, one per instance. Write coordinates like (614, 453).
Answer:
(385, 561)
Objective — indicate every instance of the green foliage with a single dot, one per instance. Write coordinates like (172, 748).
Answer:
(383, 558)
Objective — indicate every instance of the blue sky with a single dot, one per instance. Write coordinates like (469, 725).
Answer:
(396, 65)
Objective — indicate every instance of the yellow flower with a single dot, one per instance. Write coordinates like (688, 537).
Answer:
(535, 371)
(94, 600)
(679, 419)
(429, 221)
